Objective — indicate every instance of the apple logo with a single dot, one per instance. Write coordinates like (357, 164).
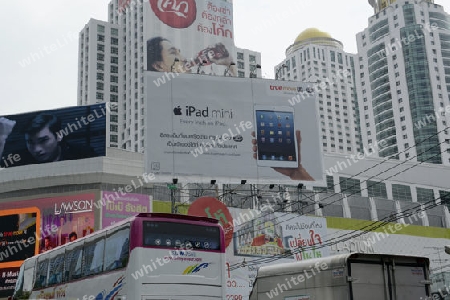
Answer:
(177, 111)
(176, 14)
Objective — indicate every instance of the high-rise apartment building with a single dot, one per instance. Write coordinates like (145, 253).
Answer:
(112, 62)
(318, 58)
(403, 80)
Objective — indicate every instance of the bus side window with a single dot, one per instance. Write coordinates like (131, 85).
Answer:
(117, 249)
(28, 278)
(73, 264)
(56, 269)
(93, 257)
(41, 274)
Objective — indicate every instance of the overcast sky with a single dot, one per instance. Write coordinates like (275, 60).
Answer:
(40, 40)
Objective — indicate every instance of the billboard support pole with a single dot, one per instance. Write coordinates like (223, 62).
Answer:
(172, 199)
(172, 188)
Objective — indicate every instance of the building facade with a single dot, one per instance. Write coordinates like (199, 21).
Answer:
(403, 80)
(318, 58)
(112, 62)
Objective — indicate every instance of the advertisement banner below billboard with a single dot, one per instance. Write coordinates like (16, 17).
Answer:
(119, 207)
(264, 237)
(232, 129)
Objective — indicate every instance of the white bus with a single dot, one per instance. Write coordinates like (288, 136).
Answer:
(149, 256)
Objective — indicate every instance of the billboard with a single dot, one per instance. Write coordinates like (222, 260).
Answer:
(63, 218)
(18, 237)
(264, 237)
(193, 36)
(53, 135)
(271, 234)
(233, 129)
(118, 207)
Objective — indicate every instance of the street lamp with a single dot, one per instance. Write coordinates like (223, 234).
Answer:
(253, 73)
(227, 70)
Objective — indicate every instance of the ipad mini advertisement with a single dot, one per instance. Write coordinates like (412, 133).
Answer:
(275, 135)
(233, 129)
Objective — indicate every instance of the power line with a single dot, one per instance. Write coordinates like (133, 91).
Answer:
(345, 195)
(374, 227)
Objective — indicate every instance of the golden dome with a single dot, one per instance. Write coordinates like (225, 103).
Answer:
(311, 33)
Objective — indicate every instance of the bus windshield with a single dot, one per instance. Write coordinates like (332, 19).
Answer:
(182, 236)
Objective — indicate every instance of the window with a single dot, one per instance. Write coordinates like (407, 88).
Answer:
(100, 67)
(56, 270)
(350, 186)
(401, 192)
(424, 195)
(241, 65)
(100, 86)
(100, 76)
(101, 48)
(114, 31)
(445, 198)
(93, 257)
(240, 55)
(114, 50)
(100, 28)
(100, 38)
(241, 74)
(117, 249)
(114, 41)
(73, 263)
(41, 274)
(100, 57)
(114, 60)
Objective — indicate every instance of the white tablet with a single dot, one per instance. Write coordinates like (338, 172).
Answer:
(275, 135)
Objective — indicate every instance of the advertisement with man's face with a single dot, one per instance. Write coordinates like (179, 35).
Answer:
(63, 218)
(190, 36)
(53, 135)
(233, 129)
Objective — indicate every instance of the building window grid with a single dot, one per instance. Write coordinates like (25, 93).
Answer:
(401, 192)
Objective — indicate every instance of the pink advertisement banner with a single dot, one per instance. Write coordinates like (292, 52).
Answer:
(119, 207)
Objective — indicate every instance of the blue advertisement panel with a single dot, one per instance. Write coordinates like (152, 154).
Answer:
(53, 135)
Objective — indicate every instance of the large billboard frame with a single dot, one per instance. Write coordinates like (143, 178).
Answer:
(217, 116)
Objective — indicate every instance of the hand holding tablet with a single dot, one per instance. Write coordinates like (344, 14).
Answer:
(277, 143)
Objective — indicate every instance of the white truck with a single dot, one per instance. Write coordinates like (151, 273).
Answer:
(352, 276)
